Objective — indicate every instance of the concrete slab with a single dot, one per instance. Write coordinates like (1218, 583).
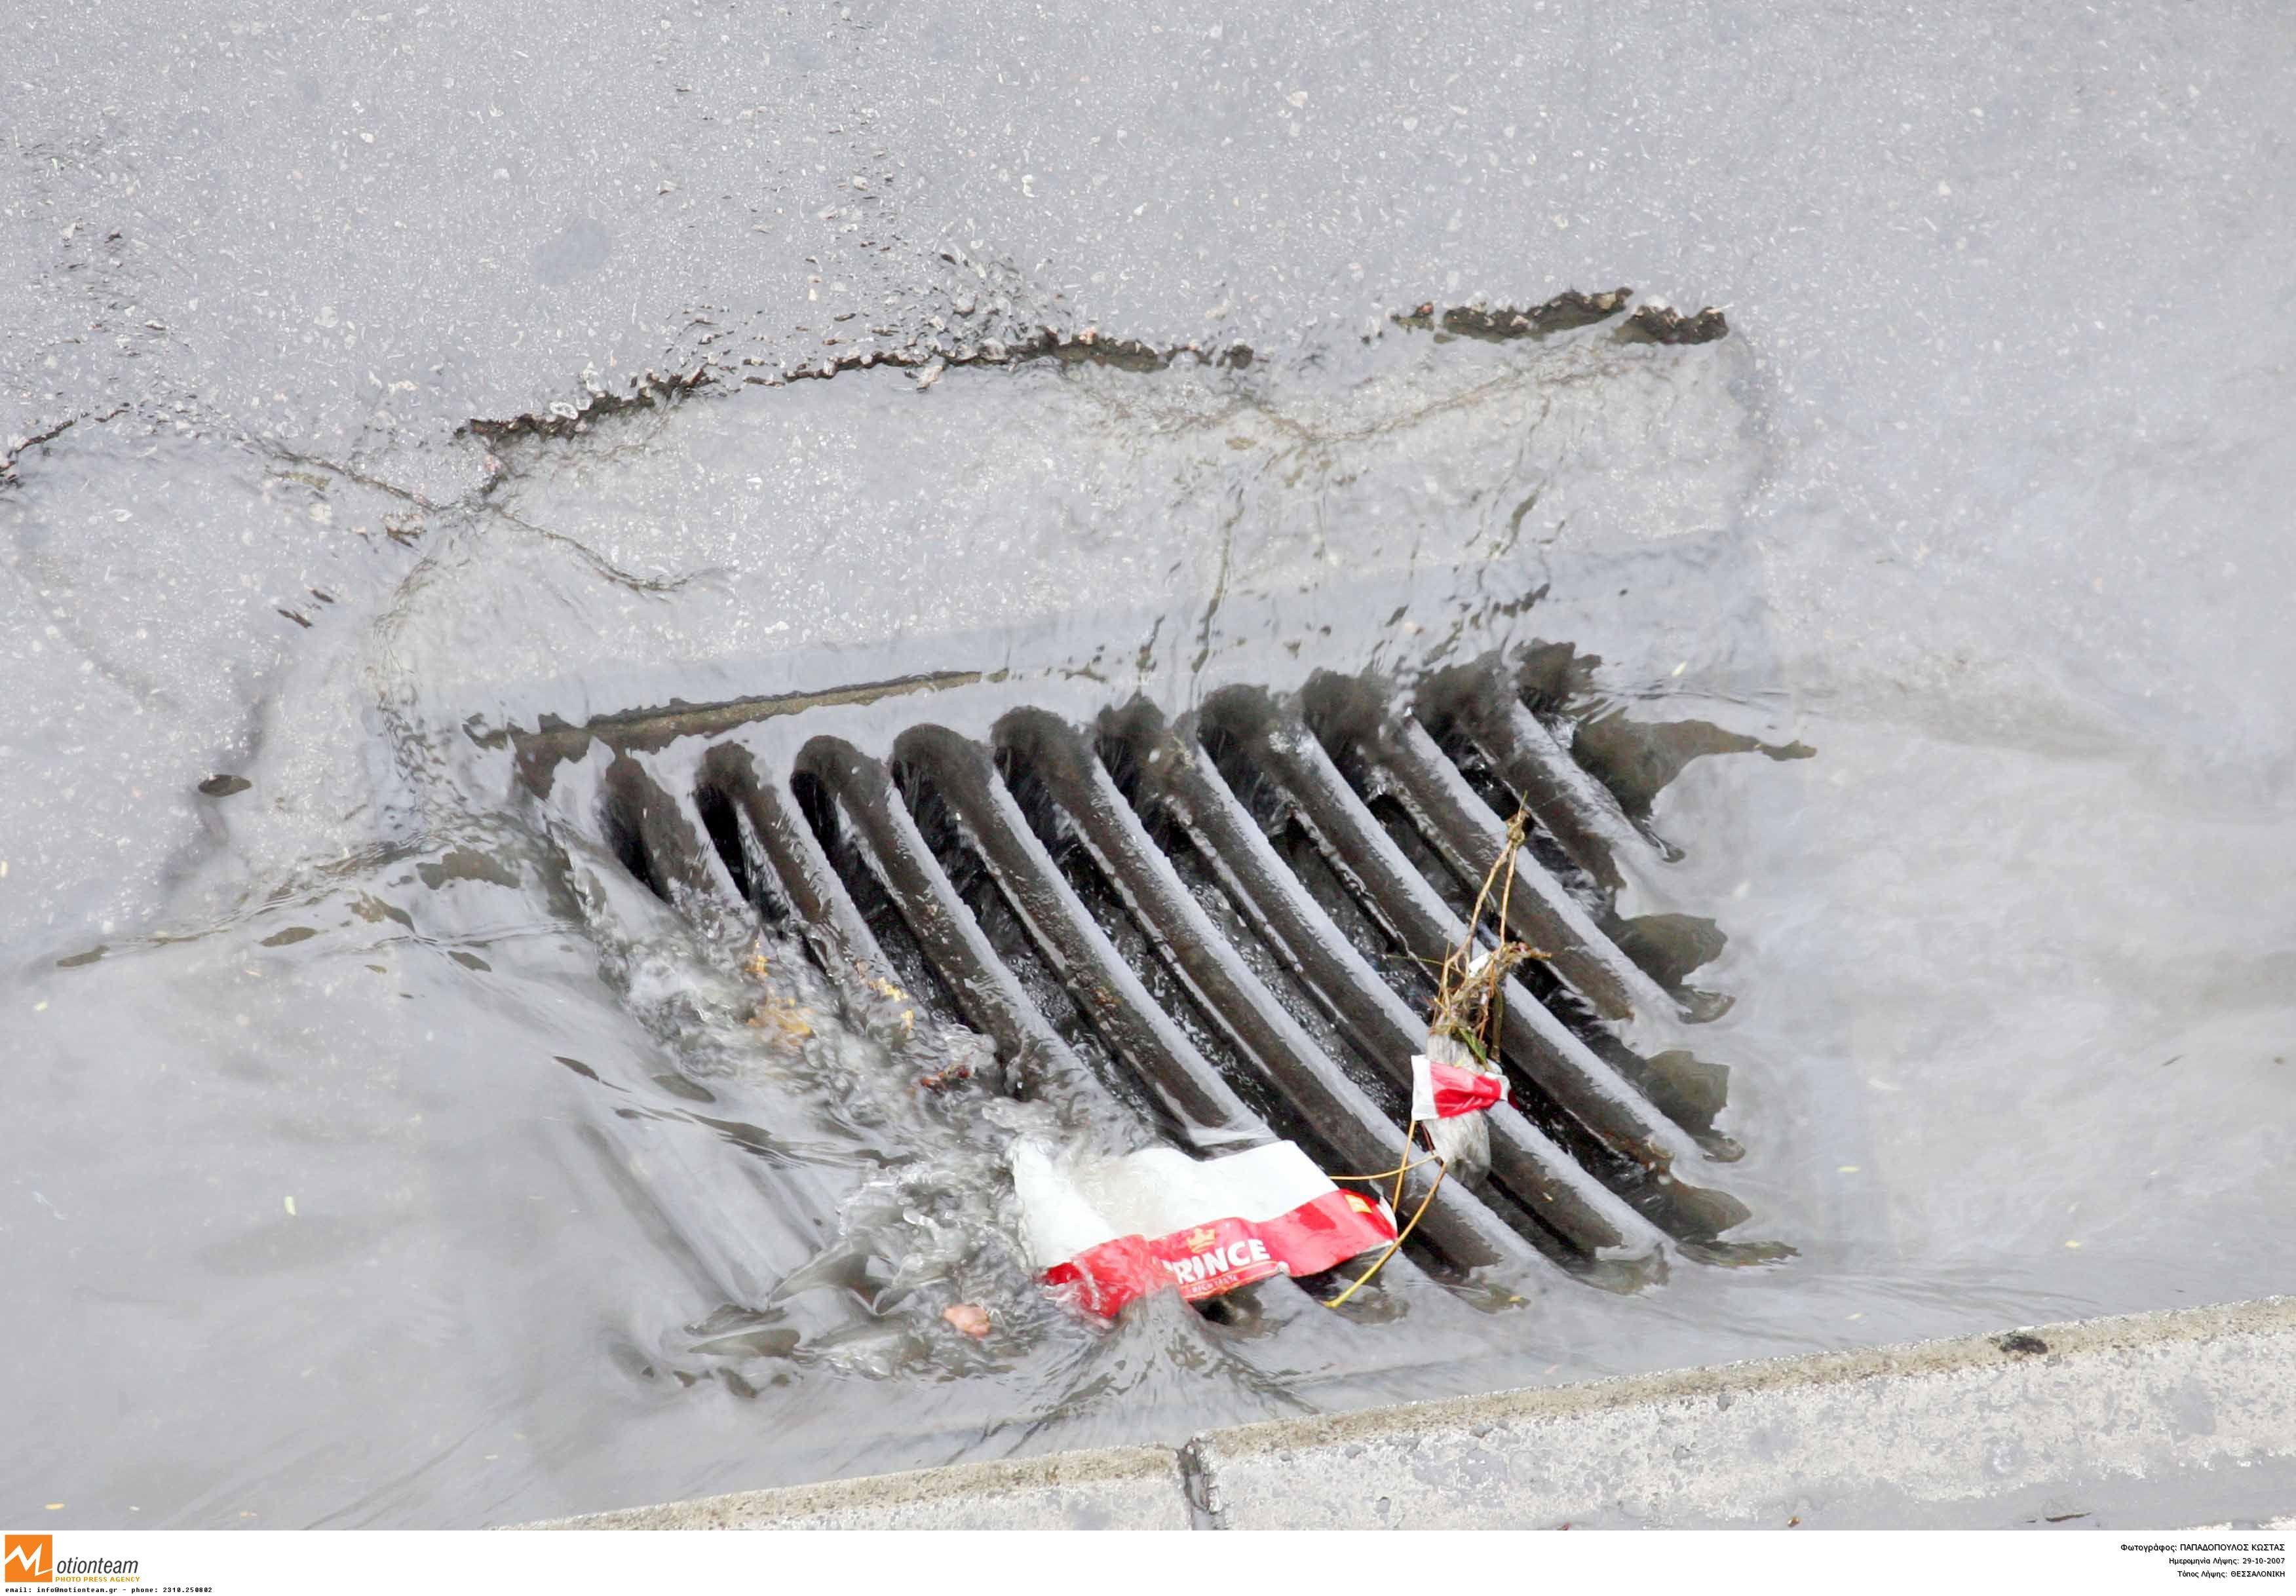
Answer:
(2156, 1418)
(1135, 1487)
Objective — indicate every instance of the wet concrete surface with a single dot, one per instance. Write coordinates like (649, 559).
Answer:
(2137, 1421)
(1982, 497)
(2141, 1422)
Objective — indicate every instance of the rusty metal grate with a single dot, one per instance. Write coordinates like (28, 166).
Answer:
(1221, 924)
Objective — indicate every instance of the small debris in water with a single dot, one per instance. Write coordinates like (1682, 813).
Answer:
(942, 1079)
(969, 1318)
(781, 1014)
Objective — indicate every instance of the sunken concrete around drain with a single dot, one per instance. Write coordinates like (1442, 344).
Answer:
(2150, 1421)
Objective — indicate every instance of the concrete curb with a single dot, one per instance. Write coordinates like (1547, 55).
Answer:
(2152, 1420)
(1133, 1487)
(2136, 1413)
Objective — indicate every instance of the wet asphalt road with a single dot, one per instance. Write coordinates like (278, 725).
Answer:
(2013, 288)
(1989, 483)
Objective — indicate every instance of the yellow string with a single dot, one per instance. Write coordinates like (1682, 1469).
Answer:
(1388, 1174)
(1396, 1246)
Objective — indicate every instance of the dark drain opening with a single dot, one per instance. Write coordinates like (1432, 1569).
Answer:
(1222, 929)
(1559, 861)
(650, 833)
(734, 852)
(1280, 1053)
(1140, 951)
(1392, 956)
(1678, 1085)
(1226, 1048)
(624, 830)
(857, 876)
(1291, 759)
(1063, 995)
(1578, 853)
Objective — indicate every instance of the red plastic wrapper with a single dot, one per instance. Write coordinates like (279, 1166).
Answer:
(1447, 1091)
(1117, 1228)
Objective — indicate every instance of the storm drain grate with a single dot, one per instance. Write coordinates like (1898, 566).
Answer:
(1225, 924)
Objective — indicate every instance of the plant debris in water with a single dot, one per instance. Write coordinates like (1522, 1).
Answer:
(1463, 1030)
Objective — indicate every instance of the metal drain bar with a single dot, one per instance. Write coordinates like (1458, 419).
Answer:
(1225, 924)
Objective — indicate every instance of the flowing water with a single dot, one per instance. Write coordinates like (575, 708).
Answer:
(378, 1150)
